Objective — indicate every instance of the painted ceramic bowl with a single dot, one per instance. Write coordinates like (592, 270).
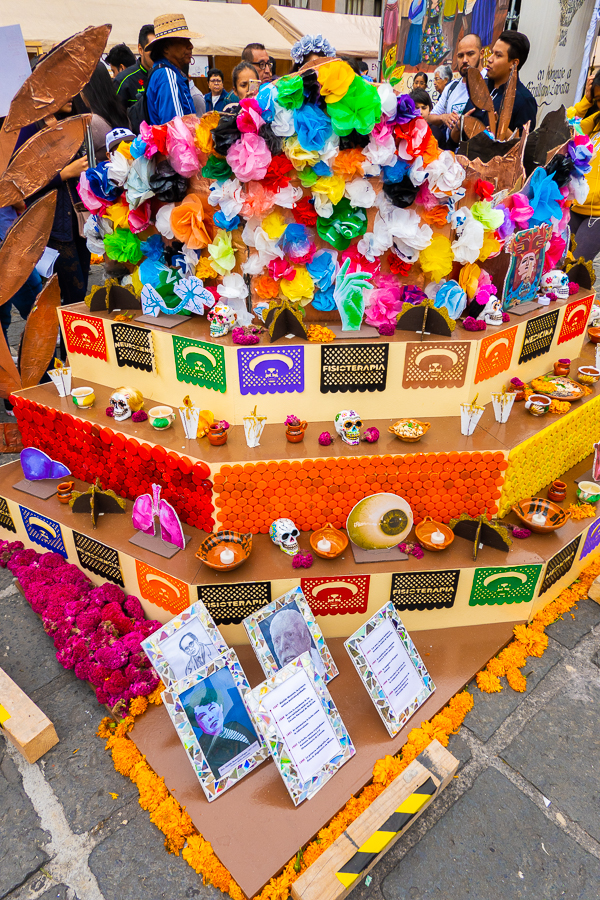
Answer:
(225, 543)
(336, 539)
(83, 397)
(588, 375)
(409, 430)
(539, 515)
(426, 530)
(161, 417)
(538, 404)
(588, 492)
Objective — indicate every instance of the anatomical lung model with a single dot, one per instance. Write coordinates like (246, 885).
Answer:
(148, 508)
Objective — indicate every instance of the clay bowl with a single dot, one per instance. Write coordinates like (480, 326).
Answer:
(210, 549)
(425, 529)
(425, 426)
(339, 541)
(555, 516)
(594, 334)
(588, 375)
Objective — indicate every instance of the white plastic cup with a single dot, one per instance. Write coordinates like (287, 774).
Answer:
(503, 404)
(469, 417)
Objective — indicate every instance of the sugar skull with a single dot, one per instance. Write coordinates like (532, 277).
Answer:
(555, 282)
(284, 533)
(222, 318)
(348, 424)
(492, 312)
(125, 401)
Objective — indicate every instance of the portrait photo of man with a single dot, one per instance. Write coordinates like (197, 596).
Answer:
(188, 649)
(290, 637)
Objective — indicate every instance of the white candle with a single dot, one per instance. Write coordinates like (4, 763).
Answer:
(538, 519)
(324, 545)
(227, 556)
(437, 538)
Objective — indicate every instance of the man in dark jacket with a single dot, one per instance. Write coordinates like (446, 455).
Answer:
(511, 48)
(168, 92)
(131, 84)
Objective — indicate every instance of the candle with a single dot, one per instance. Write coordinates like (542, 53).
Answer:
(437, 538)
(227, 556)
(538, 519)
(324, 545)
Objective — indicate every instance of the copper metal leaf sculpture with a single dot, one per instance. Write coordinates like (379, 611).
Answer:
(508, 102)
(57, 78)
(10, 380)
(39, 337)
(40, 158)
(24, 245)
(479, 94)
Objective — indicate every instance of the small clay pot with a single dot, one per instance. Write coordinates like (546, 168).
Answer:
(65, 491)
(538, 404)
(594, 334)
(217, 435)
(295, 433)
(562, 367)
(519, 394)
(557, 491)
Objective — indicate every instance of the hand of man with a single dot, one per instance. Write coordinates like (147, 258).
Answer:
(74, 169)
(450, 119)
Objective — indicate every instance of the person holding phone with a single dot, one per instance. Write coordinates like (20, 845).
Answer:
(246, 82)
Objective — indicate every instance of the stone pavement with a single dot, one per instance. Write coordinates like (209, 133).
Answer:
(520, 820)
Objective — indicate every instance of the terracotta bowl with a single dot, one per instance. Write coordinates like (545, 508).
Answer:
(555, 516)
(426, 528)
(209, 551)
(588, 375)
(337, 538)
(425, 426)
(594, 335)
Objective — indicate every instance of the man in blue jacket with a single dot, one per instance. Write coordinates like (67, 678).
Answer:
(168, 91)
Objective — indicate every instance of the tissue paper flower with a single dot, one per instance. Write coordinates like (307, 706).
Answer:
(296, 153)
(221, 253)
(304, 212)
(139, 218)
(446, 174)
(436, 260)
(155, 138)
(137, 186)
(123, 246)
(221, 221)
(181, 149)
(554, 252)
(491, 246)
(266, 98)
(249, 158)
(396, 172)
(92, 203)
(290, 91)
(335, 78)
(359, 109)
(277, 175)
(283, 122)
(167, 184)
(296, 243)
(300, 289)
(204, 140)
(381, 153)
(485, 213)
(249, 119)
(545, 198)
(257, 200)
(313, 127)
(344, 224)
(280, 268)
(389, 99)
(265, 287)
(309, 175)
(397, 265)
(349, 163)
(227, 195)
(204, 269)
(406, 110)
(163, 221)
(187, 223)
(438, 216)
(274, 225)
(581, 150)
(384, 302)
(468, 279)
(452, 297)
(359, 262)
(323, 206)
(519, 209)
(322, 269)
(484, 189)
(217, 169)
(333, 186)
(118, 168)
(467, 247)
(118, 213)
(323, 300)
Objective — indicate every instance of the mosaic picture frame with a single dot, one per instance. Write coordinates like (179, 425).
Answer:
(258, 628)
(161, 646)
(225, 669)
(281, 749)
(394, 721)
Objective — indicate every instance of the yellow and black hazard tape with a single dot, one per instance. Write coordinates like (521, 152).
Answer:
(372, 847)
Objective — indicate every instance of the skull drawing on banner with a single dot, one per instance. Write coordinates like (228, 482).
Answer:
(125, 401)
(284, 533)
(348, 424)
(555, 282)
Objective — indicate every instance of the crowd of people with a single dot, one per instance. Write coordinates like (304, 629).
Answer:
(155, 87)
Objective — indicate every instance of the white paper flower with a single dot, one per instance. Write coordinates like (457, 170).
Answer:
(389, 100)
(137, 185)
(118, 168)
(470, 233)
(446, 175)
(163, 221)
(283, 122)
(288, 197)
(381, 153)
(92, 236)
(323, 205)
(417, 173)
(360, 193)
(227, 195)
(330, 150)
(233, 292)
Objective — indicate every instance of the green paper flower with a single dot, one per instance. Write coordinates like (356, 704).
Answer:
(123, 246)
(344, 224)
(290, 92)
(217, 169)
(307, 177)
(360, 109)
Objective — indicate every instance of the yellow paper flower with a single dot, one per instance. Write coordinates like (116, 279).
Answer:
(118, 213)
(333, 186)
(221, 253)
(204, 141)
(301, 289)
(297, 155)
(437, 259)
(335, 78)
(125, 148)
(204, 269)
(273, 225)
(468, 278)
(491, 246)
(136, 281)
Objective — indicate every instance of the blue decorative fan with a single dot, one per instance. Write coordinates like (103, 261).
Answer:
(38, 465)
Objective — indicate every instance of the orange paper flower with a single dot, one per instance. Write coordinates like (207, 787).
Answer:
(348, 163)
(187, 222)
(266, 287)
(437, 216)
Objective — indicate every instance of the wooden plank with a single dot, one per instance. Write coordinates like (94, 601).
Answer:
(320, 881)
(24, 724)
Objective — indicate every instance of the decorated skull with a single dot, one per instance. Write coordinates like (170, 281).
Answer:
(555, 282)
(348, 424)
(492, 311)
(284, 533)
(222, 318)
(125, 401)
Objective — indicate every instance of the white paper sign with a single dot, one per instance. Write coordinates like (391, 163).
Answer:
(14, 64)
(309, 738)
(391, 665)
(198, 66)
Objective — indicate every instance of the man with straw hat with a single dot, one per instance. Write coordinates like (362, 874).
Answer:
(168, 92)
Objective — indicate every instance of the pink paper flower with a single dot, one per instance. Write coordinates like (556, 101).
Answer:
(181, 148)
(250, 118)
(249, 158)
(520, 210)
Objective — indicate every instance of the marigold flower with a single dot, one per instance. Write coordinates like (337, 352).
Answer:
(516, 679)
(488, 683)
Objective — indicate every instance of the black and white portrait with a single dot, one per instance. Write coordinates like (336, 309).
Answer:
(188, 649)
(287, 636)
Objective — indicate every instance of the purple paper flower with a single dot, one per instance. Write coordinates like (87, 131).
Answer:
(413, 294)
(406, 110)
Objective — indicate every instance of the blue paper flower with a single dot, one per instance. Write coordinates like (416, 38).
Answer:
(313, 127)
(452, 297)
(226, 224)
(322, 169)
(137, 147)
(394, 174)
(324, 301)
(266, 98)
(153, 248)
(545, 198)
(99, 184)
(322, 270)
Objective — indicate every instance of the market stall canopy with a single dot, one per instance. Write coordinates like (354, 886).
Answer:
(226, 28)
(350, 35)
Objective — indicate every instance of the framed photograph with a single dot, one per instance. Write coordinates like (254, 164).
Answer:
(300, 723)
(210, 716)
(283, 630)
(390, 667)
(184, 645)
